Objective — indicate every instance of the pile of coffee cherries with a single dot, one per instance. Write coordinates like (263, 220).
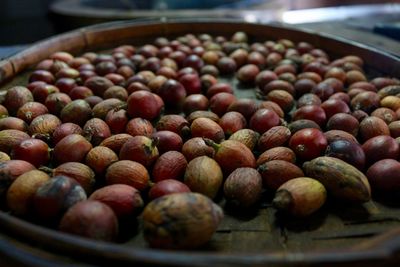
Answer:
(161, 132)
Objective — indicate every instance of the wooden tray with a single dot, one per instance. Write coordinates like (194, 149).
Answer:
(335, 236)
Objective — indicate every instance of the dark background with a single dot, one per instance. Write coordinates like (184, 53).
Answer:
(26, 21)
(23, 21)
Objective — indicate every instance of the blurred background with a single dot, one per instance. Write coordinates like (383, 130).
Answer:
(26, 21)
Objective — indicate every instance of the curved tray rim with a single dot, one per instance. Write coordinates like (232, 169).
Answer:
(376, 249)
